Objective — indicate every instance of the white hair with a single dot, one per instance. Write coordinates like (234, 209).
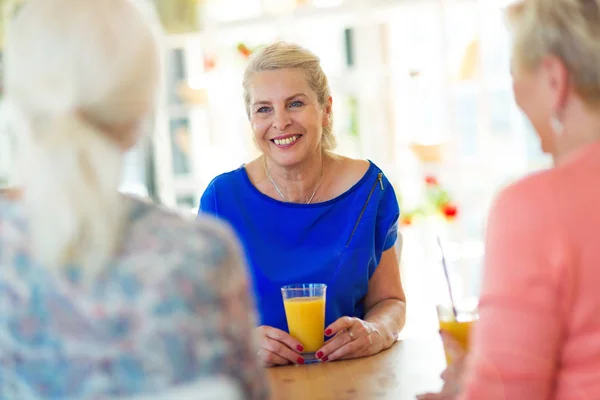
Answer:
(77, 73)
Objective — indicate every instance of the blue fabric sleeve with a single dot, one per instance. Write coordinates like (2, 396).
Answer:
(386, 225)
(208, 201)
(388, 214)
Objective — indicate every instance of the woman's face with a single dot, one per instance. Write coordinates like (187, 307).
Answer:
(286, 116)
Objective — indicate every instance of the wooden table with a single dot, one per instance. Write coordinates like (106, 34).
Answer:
(410, 367)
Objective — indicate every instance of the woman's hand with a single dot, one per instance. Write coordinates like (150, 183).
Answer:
(453, 375)
(278, 347)
(352, 338)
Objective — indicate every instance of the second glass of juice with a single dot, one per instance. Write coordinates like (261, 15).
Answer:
(305, 312)
(459, 326)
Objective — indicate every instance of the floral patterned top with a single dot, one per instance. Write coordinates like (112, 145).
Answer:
(171, 308)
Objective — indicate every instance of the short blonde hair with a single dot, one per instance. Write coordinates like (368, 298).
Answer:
(282, 55)
(568, 29)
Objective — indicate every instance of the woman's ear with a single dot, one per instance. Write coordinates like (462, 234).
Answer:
(327, 116)
(555, 75)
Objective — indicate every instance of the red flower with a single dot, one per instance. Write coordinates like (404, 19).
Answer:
(450, 211)
(431, 180)
(244, 50)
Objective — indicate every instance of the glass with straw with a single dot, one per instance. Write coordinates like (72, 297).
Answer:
(454, 320)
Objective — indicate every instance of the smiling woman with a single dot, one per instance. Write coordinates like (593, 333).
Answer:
(308, 215)
(287, 128)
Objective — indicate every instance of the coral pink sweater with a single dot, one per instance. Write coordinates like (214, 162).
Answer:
(539, 331)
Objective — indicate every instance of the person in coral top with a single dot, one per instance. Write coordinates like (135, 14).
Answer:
(538, 336)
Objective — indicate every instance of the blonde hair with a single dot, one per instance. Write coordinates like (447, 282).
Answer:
(282, 55)
(568, 29)
(76, 71)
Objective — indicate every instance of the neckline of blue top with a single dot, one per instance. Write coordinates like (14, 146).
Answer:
(348, 192)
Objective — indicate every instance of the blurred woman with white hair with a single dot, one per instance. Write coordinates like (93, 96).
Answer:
(103, 295)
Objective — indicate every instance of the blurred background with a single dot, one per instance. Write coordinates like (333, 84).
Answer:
(420, 87)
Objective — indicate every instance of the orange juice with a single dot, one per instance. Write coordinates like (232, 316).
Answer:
(460, 330)
(306, 321)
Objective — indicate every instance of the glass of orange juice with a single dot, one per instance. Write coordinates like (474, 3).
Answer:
(305, 312)
(459, 326)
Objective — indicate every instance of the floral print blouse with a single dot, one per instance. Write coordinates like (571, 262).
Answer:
(171, 308)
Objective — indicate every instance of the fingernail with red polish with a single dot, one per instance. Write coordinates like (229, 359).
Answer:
(319, 354)
(300, 360)
(328, 332)
(325, 359)
(300, 348)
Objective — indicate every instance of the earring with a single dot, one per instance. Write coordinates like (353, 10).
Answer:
(557, 126)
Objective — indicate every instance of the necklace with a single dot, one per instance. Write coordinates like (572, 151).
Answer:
(279, 191)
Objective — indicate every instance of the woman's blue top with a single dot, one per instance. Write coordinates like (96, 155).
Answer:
(338, 242)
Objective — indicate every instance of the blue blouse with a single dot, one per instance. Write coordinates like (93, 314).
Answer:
(338, 242)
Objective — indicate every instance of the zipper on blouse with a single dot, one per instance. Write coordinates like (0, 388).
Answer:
(364, 207)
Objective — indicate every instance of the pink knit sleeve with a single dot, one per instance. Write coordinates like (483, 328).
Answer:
(516, 343)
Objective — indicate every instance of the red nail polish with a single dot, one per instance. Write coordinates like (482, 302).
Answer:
(300, 360)
(328, 332)
(324, 359)
(319, 354)
(300, 348)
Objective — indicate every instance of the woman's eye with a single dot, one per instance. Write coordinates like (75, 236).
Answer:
(262, 110)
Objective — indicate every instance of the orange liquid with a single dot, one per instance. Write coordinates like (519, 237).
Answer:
(460, 331)
(306, 321)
